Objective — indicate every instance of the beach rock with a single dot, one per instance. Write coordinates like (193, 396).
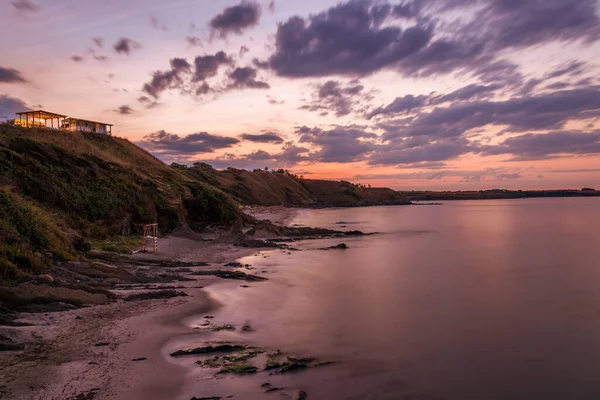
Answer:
(234, 265)
(302, 395)
(225, 327)
(7, 344)
(85, 396)
(205, 398)
(341, 246)
(273, 389)
(290, 364)
(353, 233)
(238, 368)
(102, 344)
(246, 328)
(231, 275)
(160, 294)
(221, 348)
(254, 243)
(209, 316)
(266, 385)
(139, 359)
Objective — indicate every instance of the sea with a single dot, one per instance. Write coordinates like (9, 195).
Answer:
(463, 300)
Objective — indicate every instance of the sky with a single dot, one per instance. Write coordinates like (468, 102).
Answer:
(408, 94)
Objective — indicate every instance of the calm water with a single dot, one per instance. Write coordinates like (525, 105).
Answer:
(477, 300)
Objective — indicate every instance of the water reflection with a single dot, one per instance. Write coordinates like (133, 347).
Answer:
(469, 300)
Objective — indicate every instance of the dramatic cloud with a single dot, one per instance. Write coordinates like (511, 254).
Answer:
(77, 58)
(345, 40)
(192, 79)
(125, 110)
(417, 150)
(164, 143)
(25, 6)
(291, 154)
(10, 75)
(126, 46)
(171, 79)
(9, 106)
(148, 102)
(501, 25)
(180, 65)
(470, 92)
(535, 112)
(236, 19)
(269, 137)
(260, 64)
(401, 105)
(340, 144)
(163, 80)
(246, 78)
(534, 146)
(207, 66)
(352, 38)
(507, 23)
(243, 50)
(338, 98)
(572, 69)
(100, 58)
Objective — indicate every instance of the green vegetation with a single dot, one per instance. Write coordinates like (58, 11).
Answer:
(29, 239)
(59, 191)
(280, 187)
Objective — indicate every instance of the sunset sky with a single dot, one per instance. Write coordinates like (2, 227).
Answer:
(421, 94)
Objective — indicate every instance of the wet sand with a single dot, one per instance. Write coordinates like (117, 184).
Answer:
(116, 350)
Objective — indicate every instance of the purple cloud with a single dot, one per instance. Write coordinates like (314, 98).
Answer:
(269, 137)
(235, 19)
(11, 75)
(126, 46)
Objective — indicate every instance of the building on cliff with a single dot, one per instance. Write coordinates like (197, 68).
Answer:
(50, 120)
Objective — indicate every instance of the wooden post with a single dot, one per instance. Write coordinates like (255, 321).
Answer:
(150, 234)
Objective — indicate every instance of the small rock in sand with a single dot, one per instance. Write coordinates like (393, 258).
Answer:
(209, 316)
(139, 359)
(102, 344)
(234, 265)
(161, 294)
(302, 395)
(205, 398)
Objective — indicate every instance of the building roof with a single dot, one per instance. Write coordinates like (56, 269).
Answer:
(87, 120)
(42, 114)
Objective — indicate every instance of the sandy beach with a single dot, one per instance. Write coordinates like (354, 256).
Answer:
(116, 350)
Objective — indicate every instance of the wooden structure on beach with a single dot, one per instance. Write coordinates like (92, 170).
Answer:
(50, 120)
(150, 238)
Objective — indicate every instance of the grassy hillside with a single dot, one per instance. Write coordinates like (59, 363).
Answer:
(281, 188)
(59, 190)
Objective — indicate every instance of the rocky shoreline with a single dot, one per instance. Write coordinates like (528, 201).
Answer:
(98, 328)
